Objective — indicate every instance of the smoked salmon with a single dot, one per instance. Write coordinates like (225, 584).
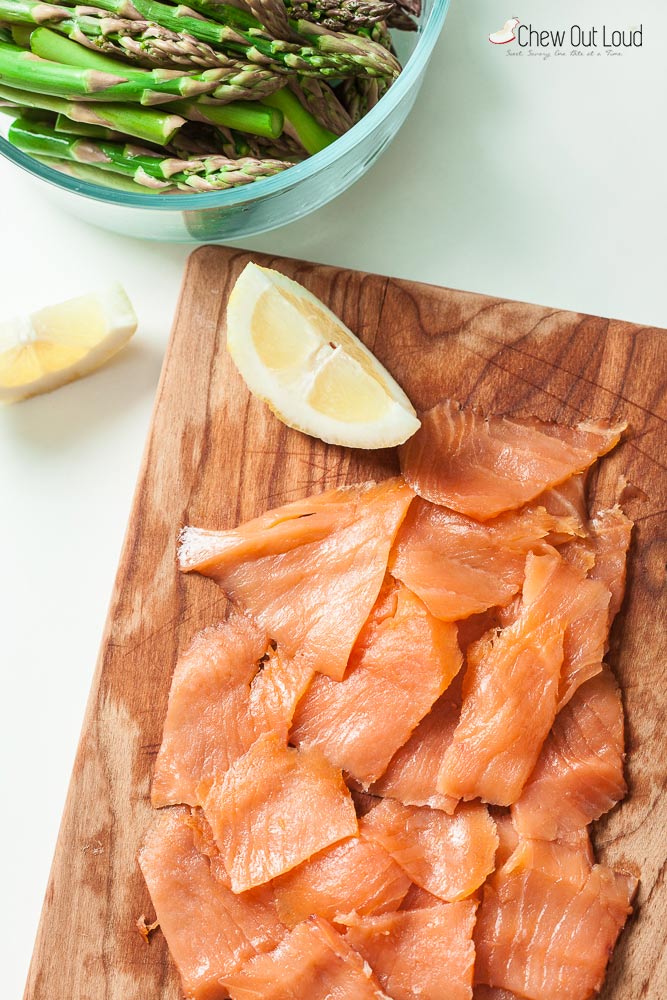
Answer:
(459, 567)
(426, 954)
(360, 722)
(274, 808)
(484, 465)
(540, 936)
(603, 553)
(279, 567)
(449, 856)
(510, 693)
(313, 962)
(210, 931)
(579, 774)
(412, 774)
(355, 874)
(228, 688)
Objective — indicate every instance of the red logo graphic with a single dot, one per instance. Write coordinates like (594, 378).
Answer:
(506, 33)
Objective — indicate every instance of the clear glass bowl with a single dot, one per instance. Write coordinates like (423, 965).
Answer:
(226, 216)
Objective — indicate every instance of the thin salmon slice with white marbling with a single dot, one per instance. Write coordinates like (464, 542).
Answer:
(412, 774)
(274, 808)
(355, 874)
(579, 774)
(402, 661)
(228, 688)
(603, 553)
(449, 856)
(542, 934)
(425, 954)
(483, 465)
(309, 572)
(460, 567)
(210, 930)
(313, 962)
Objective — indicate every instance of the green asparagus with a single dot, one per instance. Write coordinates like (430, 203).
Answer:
(207, 173)
(141, 123)
(299, 123)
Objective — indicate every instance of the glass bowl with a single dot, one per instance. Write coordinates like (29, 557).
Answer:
(225, 216)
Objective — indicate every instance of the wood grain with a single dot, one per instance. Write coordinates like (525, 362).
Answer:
(215, 457)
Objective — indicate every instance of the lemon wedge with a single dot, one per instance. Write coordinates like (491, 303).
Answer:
(315, 375)
(62, 342)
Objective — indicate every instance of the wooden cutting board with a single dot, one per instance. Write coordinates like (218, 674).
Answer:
(215, 457)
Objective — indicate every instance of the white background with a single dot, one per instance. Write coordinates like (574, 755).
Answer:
(531, 179)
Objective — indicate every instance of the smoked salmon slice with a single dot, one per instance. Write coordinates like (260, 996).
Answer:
(567, 500)
(226, 691)
(449, 856)
(402, 661)
(313, 962)
(426, 954)
(541, 936)
(412, 774)
(459, 567)
(579, 774)
(274, 808)
(209, 694)
(309, 572)
(603, 553)
(355, 874)
(484, 465)
(417, 898)
(510, 693)
(210, 930)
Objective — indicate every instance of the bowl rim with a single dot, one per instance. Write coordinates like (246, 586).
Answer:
(278, 183)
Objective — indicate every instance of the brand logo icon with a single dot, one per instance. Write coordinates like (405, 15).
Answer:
(506, 33)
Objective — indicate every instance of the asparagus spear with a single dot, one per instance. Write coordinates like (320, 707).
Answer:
(329, 54)
(299, 123)
(321, 101)
(84, 172)
(244, 116)
(206, 173)
(229, 80)
(141, 123)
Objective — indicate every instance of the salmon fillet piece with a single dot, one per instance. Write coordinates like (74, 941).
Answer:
(541, 936)
(459, 567)
(579, 774)
(309, 572)
(412, 774)
(425, 954)
(510, 693)
(402, 661)
(484, 465)
(219, 703)
(210, 930)
(313, 962)
(274, 808)
(355, 874)
(209, 692)
(603, 553)
(449, 856)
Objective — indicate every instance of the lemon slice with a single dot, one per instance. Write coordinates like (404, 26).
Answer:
(62, 342)
(313, 372)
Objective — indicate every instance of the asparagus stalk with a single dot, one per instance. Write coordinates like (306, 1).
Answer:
(207, 173)
(229, 80)
(93, 131)
(21, 35)
(244, 116)
(321, 101)
(84, 172)
(141, 123)
(328, 54)
(299, 123)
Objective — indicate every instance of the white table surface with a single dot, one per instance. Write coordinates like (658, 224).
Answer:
(534, 179)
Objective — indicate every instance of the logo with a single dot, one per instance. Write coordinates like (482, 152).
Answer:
(574, 39)
(506, 33)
